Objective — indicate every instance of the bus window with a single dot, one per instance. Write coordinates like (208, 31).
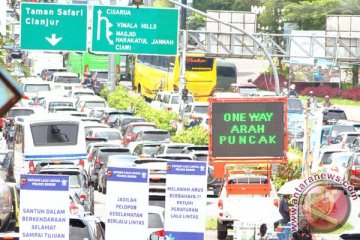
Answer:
(59, 134)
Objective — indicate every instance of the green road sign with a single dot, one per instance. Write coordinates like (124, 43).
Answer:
(53, 27)
(135, 30)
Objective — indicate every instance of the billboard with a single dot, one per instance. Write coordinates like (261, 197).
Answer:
(248, 128)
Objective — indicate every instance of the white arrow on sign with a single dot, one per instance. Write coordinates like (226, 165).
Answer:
(53, 40)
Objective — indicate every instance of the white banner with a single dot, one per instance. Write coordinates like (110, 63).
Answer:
(3, 7)
(44, 208)
(185, 205)
(127, 201)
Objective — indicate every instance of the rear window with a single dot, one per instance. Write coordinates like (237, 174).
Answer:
(154, 221)
(150, 149)
(20, 112)
(54, 134)
(159, 136)
(78, 230)
(137, 129)
(34, 88)
(95, 104)
(334, 115)
(63, 79)
(104, 156)
(201, 157)
(102, 75)
(108, 135)
(60, 104)
(295, 104)
(175, 149)
(336, 130)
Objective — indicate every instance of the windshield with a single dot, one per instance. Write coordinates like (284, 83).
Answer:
(335, 115)
(326, 158)
(150, 149)
(294, 104)
(95, 104)
(64, 79)
(159, 136)
(108, 135)
(201, 109)
(175, 149)
(20, 112)
(137, 129)
(34, 88)
(54, 134)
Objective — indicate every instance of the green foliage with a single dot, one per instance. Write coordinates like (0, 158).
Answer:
(196, 135)
(204, 5)
(162, 3)
(311, 15)
(195, 21)
(121, 99)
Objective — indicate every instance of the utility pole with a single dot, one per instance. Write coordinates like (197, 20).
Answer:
(183, 16)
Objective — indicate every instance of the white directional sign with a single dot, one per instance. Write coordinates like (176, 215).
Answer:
(185, 205)
(44, 208)
(127, 201)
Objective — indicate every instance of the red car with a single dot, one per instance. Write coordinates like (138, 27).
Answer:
(134, 128)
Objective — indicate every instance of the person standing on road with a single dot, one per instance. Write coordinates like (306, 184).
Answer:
(284, 210)
(327, 103)
(292, 91)
(285, 90)
(311, 101)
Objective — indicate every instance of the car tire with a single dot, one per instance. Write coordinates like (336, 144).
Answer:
(221, 231)
(104, 190)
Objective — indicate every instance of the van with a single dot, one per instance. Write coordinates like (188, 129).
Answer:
(47, 137)
(330, 132)
(226, 75)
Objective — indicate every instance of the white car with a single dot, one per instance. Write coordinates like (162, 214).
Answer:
(171, 102)
(50, 102)
(89, 125)
(34, 85)
(158, 100)
(87, 103)
(111, 134)
(65, 81)
(75, 93)
(156, 221)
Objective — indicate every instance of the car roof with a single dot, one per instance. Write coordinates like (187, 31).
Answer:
(67, 74)
(142, 124)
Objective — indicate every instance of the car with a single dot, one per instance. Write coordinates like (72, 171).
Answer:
(109, 116)
(119, 161)
(99, 156)
(345, 140)
(88, 119)
(65, 81)
(33, 85)
(91, 146)
(123, 122)
(330, 132)
(323, 158)
(48, 72)
(355, 146)
(97, 112)
(92, 125)
(195, 110)
(112, 135)
(177, 156)
(245, 89)
(171, 101)
(50, 102)
(84, 226)
(295, 105)
(167, 148)
(353, 171)
(65, 110)
(337, 162)
(79, 182)
(214, 185)
(75, 93)
(7, 166)
(331, 115)
(86, 103)
(134, 128)
(158, 100)
(12, 114)
(156, 221)
(144, 149)
(99, 78)
(155, 135)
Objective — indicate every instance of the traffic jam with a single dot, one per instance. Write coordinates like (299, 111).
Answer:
(139, 146)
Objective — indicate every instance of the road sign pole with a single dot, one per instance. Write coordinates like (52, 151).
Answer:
(112, 77)
(182, 70)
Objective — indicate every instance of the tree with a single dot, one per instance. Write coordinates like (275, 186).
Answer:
(204, 5)
(162, 3)
(311, 15)
(195, 21)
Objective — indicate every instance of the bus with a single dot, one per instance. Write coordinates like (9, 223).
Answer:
(84, 62)
(150, 74)
(47, 137)
(226, 75)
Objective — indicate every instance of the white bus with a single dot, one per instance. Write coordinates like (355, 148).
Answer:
(47, 137)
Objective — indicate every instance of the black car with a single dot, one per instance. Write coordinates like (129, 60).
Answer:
(99, 156)
(331, 115)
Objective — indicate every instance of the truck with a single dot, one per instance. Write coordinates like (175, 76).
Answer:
(37, 61)
(246, 189)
